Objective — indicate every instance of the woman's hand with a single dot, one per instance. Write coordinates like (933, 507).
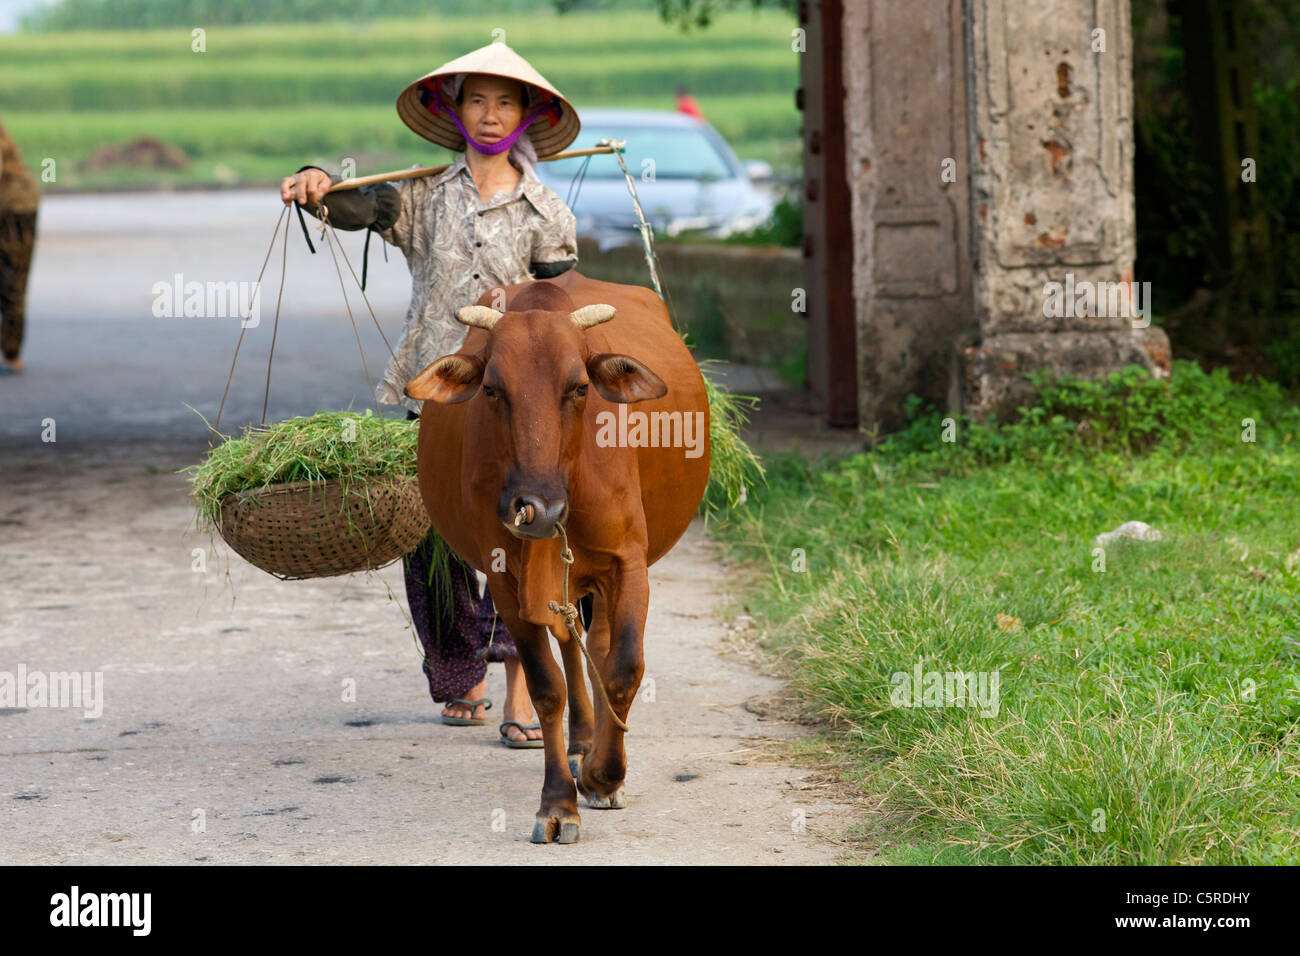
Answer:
(308, 186)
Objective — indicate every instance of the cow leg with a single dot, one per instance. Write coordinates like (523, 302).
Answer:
(557, 817)
(582, 728)
(581, 721)
(621, 668)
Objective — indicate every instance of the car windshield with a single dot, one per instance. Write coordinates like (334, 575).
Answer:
(677, 154)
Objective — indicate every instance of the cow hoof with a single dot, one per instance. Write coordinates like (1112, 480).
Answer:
(614, 801)
(555, 830)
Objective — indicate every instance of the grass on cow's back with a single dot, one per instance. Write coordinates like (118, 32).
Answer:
(734, 469)
(1149, 698)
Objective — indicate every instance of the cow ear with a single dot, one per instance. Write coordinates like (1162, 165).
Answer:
(622, 379)
(448, 381)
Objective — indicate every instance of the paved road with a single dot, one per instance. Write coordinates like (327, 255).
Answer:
(224, 735)
(102, 364)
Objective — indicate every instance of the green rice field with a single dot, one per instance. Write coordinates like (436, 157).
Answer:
(262, 100)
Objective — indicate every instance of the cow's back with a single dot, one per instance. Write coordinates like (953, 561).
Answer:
(671, 484)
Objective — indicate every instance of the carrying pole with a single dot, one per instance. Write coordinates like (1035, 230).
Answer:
(419, 172)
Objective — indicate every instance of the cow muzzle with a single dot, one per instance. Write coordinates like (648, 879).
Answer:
(532, 516)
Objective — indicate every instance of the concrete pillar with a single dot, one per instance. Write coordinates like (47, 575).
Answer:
(1052, 193)
(989, 154)
(905, 111)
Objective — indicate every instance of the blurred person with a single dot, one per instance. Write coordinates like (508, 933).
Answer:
(686, 104)
(19, 197)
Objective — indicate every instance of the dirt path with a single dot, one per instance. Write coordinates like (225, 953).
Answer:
(225, 737)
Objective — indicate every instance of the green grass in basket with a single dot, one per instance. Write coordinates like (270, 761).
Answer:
(328, 446)
(341, 447)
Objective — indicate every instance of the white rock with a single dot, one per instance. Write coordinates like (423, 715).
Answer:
(1137, 530)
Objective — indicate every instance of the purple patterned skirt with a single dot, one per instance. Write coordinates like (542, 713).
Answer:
(459, 636)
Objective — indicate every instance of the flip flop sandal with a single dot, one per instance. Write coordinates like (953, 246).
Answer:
(519, 744)
(468, 721)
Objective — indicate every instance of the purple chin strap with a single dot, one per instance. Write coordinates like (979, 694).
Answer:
(433, 101)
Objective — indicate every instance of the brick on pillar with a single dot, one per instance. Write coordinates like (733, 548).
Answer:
(1052, 194)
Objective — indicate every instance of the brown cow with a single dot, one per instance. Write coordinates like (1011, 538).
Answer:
(511, 444)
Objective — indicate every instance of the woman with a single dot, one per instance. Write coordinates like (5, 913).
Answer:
(19, 197)
(487, 221)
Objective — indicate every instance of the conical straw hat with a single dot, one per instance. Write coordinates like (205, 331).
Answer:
(551, 131)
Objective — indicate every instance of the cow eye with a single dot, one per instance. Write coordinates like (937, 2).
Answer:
(580, 391)
(489, 391)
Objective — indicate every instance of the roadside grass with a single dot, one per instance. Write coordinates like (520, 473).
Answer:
(1147, 713)
(286, 95)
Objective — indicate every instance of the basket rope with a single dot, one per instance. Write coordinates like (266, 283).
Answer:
(243, 325)
(275, 328)
(284, 261)
(643, 227)
(273, 527)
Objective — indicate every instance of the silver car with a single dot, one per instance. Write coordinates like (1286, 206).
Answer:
(687, 178)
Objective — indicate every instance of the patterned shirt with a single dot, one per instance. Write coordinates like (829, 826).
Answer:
(458, 247)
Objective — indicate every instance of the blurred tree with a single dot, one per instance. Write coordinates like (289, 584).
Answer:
(1214, 303)
(700, 13)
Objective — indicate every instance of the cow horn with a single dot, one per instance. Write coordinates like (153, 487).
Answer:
(590, 315)
(479, 316)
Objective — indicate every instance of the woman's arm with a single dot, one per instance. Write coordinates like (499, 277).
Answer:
(375, 207)
(555, 245)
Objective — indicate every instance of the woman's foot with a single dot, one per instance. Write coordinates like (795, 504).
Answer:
(518, 705)
(460, 710)
(10, 366)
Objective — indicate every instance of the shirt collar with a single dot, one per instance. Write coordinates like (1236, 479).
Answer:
(532, 188)
(451, 172)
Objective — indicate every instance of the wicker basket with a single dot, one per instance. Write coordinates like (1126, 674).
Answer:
(311, 529)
